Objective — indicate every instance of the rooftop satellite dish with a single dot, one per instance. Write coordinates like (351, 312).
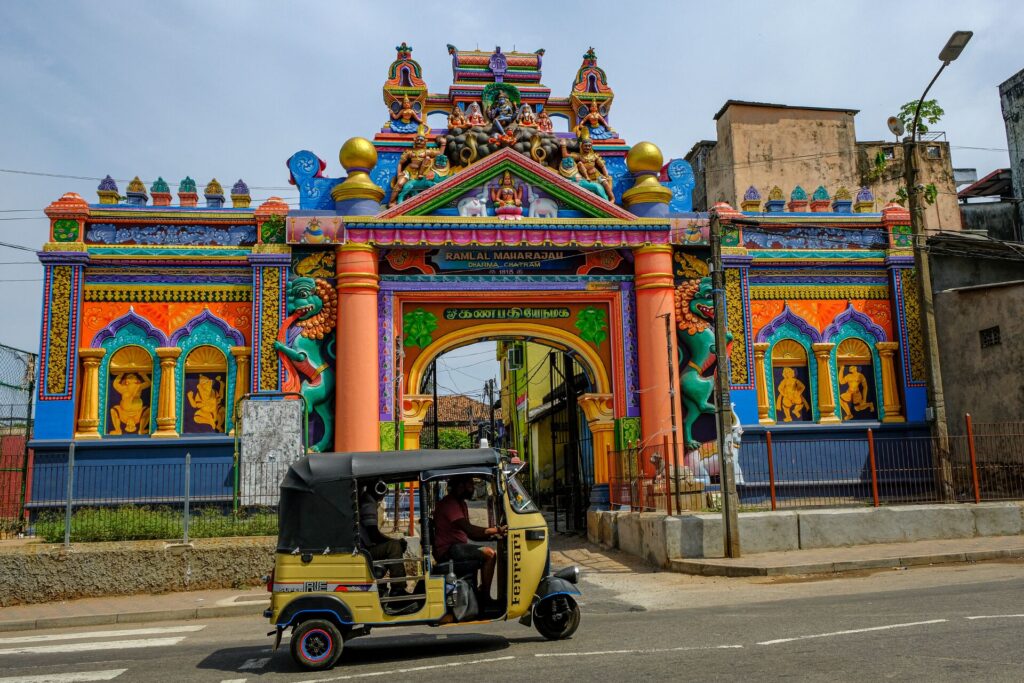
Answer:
(896, 126)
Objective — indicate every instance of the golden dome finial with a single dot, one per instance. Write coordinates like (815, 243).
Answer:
(644, 161)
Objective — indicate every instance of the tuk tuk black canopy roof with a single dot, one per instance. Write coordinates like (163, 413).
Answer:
(319, 498)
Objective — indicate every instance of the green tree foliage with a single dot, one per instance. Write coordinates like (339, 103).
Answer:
(931, 112)
(453, 438)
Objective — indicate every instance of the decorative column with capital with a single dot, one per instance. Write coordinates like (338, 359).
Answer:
(761, 382)
(356, 401)
(890, 389)
(598, 410)
(414, 412)
(166, 407)
(826, 397)
(655, 297)
(89, 394)
(241, 355)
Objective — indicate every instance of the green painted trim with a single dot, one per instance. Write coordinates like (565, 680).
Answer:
(855, 330)
(791, 331)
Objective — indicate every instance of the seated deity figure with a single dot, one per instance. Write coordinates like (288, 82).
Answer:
(474, 116)
(595, 124)
(544, 123)
(791, 400)
(130, 415)
(526, 117)
(406, 119)
(457, 119)
(856, 391)
(416, 164)
(508, 198)
(569, 170)
(503, 113)
(590, 165)
(208, 403)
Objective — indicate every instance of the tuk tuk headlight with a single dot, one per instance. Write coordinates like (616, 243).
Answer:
(570, 574)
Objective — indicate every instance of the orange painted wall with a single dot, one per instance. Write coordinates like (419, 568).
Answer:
(820, 314)
(166, 317)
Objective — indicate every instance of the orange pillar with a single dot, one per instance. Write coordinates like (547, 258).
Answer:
(356, 411)
(655, 295)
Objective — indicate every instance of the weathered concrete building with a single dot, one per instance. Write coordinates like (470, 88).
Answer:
(1011, 96)
(789, 151)
(979, 296)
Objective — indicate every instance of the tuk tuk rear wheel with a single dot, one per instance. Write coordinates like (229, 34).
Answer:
(316, 644)
(557, 618)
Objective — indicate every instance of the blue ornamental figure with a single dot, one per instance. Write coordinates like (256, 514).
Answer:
(502, 113)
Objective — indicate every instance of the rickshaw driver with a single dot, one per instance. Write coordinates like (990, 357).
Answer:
(377, 543)
(453, 532)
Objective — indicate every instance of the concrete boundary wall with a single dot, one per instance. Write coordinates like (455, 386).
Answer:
(659, 538)
(41, 572)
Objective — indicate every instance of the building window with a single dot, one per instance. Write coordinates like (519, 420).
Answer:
(933, 152)
(856, 377)
(791, 382)
(989, 336)
(129, 392)
(889, 152)
(205, 411)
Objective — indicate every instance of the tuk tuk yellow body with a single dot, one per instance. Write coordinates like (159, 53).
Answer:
(328, 590)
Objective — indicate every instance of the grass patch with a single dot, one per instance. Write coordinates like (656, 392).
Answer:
(142, 523)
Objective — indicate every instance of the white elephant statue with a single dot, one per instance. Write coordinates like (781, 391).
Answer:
(474, 206)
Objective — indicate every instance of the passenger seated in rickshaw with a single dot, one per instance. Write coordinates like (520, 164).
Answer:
(379, 545)
(453, 531)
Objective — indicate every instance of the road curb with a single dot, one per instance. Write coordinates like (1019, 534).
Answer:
(729, 568)
(181, 614)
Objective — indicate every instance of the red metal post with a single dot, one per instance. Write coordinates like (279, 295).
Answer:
(771, 468)
(613, 476)
(668, 478)
(412, 510)
(974, 460)
(874, 468)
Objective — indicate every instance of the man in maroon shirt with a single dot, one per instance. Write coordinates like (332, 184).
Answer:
(452, 532)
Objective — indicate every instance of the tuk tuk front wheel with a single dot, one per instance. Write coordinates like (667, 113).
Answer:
(557, 618)
(316, 644)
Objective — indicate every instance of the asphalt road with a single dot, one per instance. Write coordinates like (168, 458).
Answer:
(962, 624)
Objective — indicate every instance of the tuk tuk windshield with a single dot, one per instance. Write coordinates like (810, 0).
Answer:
(518, 498)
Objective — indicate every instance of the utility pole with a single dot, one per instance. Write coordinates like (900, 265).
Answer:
(672, 408)
(490, 406)
(723, 408)
(929, 337)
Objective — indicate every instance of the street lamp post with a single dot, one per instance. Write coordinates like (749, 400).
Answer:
(936, 401)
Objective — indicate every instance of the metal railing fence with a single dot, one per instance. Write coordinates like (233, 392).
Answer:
(873, 470)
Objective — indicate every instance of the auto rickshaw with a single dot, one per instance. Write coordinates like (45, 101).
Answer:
(328, 589)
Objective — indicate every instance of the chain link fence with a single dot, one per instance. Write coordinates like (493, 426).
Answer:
(17, 384)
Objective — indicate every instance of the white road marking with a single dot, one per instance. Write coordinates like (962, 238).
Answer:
(411, 669)
(855, 630)
(89, 647)
(643, 651)
(227, 680)
(998, 616)
(102, 634)
(72, 677)
(255, 663)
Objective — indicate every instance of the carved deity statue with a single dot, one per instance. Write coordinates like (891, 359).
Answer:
(791, 400)
(208, 402)
(474, 115)
(457, 119)
(544, 122)
(596, 125)
(590, 165)
(526, 117)
(856, 391)
(130, 415)
(503, 113)
(415, 164)
(508, 198)
(405, 119)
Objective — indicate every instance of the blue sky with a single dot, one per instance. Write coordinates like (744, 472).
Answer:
(231, 89)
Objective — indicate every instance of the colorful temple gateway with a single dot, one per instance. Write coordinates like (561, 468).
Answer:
(524, 217)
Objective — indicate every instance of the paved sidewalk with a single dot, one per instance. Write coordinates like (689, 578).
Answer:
(123, 609)
(857, 558)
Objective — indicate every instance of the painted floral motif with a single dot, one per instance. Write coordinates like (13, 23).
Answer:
(272, 231)
(734, 302)
(592, 324)
(902, 237)
(419, 325)
(57, 339)
(65, 230)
